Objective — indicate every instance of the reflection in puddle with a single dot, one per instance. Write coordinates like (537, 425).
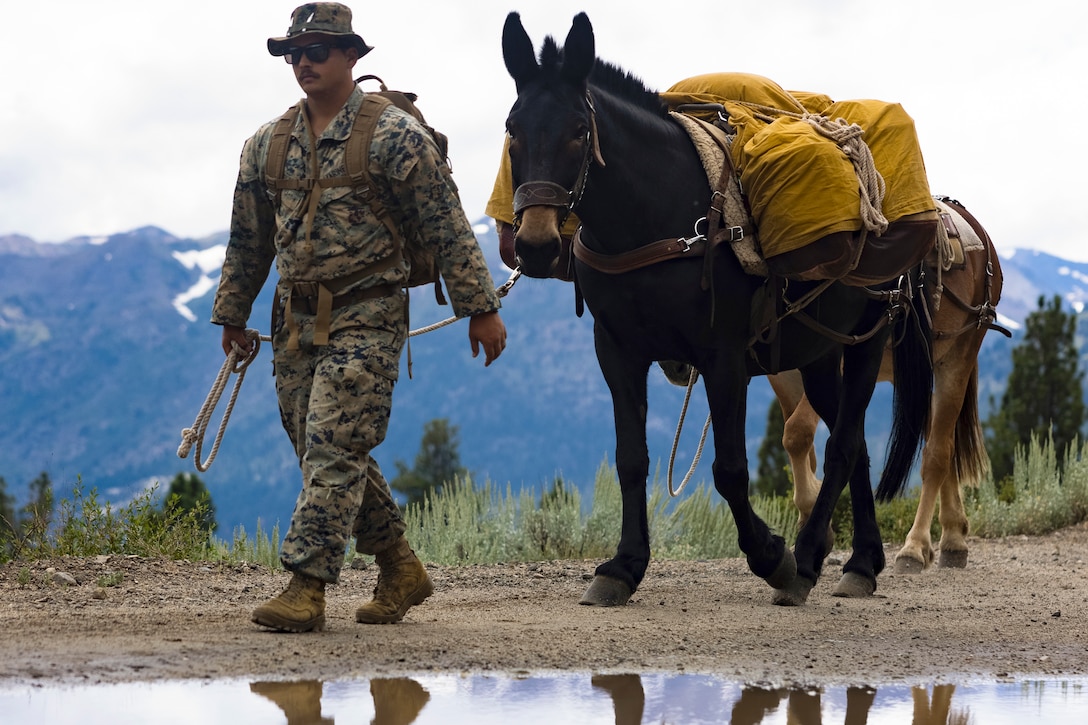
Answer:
(623, 699)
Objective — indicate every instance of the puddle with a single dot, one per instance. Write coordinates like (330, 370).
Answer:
(563, 698)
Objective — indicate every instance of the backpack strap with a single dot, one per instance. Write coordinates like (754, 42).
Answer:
(356, 160)
(277, 155)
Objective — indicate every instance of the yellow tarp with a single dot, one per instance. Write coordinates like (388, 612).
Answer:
(800, 185)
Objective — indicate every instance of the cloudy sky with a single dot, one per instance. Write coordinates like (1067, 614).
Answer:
(122, 114)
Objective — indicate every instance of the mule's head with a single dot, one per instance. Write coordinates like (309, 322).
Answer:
(552, 137)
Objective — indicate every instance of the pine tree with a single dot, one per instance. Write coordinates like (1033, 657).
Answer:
(773, 474)
(1044, 395)
(36, 516)
(188, 493)
(437, 463)
(7, 520)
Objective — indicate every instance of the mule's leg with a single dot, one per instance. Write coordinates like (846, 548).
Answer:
(726, 387)
(867, 557)
(861, 370)
(841, 402)
(617, 579)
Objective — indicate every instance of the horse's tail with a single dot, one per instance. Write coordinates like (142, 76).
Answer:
(913, 393)
(970, 460)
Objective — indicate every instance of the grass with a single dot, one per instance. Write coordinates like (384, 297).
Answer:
(481, 524)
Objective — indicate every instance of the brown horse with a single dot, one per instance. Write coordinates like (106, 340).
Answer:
(954, 453)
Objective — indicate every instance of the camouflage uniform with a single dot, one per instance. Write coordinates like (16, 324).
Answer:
(335, 398)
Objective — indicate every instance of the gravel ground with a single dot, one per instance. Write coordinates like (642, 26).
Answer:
(1019, 609)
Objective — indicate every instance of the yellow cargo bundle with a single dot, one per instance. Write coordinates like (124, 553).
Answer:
(800, 184)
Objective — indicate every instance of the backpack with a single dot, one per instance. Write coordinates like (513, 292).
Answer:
(422, 263)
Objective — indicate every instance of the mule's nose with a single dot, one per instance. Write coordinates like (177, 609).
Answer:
(536, 259)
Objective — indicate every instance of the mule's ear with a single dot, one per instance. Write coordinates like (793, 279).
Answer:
(517, 52)
(579, 52)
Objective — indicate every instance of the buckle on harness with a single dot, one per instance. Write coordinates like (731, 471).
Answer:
(687, 242)
(306, 289)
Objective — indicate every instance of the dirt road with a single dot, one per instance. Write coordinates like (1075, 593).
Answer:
(1020, 609)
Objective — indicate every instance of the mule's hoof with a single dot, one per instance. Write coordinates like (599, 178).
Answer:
(953, 559)
(854, 586)
(908, 565)
(794, 594)
(784, 573)
(604, 591)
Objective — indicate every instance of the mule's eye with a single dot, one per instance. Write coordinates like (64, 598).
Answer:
(580, 132)
(510, 130)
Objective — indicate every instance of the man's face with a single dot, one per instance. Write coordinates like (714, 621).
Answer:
(320, 65)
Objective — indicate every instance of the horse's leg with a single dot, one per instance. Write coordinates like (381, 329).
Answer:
(953, 435)
(726, 388)
(969, 466)
(798, 433)
(617, 579)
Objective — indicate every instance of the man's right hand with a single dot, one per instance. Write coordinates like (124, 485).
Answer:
(234, 335)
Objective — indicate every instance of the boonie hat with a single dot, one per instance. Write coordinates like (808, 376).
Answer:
(325, 18)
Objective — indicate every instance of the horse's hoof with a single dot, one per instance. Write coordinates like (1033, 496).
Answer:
(953, 559)
(604, 591)
(908, 565)
(854, 586)
(784, 573)
(794, 594)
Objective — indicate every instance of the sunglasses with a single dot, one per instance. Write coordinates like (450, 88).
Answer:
(316, 53)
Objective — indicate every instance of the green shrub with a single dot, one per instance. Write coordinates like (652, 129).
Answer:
(1040, 497)
(469, 524)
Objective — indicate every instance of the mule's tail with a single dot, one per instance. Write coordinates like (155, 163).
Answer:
(970, 460)
(913, 393)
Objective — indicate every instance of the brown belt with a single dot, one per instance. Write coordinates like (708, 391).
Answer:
(304, 296)
(314, 298)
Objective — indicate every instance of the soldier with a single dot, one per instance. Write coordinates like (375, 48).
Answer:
(340, 317)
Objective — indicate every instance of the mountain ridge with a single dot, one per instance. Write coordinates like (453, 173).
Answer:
(106, 355)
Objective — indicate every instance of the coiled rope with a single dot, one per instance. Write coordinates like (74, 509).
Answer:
(848, 137)
(236, 364)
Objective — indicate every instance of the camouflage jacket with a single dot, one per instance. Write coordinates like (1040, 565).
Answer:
(413, 182)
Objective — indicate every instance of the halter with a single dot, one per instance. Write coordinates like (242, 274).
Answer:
(549, 193)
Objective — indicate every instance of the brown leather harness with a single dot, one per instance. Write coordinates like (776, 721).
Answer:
(716, 227)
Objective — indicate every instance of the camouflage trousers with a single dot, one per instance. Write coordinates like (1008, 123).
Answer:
(335, 401)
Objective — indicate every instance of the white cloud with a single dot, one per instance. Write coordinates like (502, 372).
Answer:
(134, 113)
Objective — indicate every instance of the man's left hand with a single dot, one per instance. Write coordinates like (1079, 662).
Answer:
(487, 330)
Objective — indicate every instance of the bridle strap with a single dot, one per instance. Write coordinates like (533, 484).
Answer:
(540, 193)
(548, 193)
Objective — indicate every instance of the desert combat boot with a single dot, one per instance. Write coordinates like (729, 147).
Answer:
(402, 583)
(300, 608)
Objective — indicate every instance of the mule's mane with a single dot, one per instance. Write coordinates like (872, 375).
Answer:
(607, 77)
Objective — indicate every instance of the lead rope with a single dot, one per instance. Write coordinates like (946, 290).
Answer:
(236, 364)
(501, 291)
(692, 377)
